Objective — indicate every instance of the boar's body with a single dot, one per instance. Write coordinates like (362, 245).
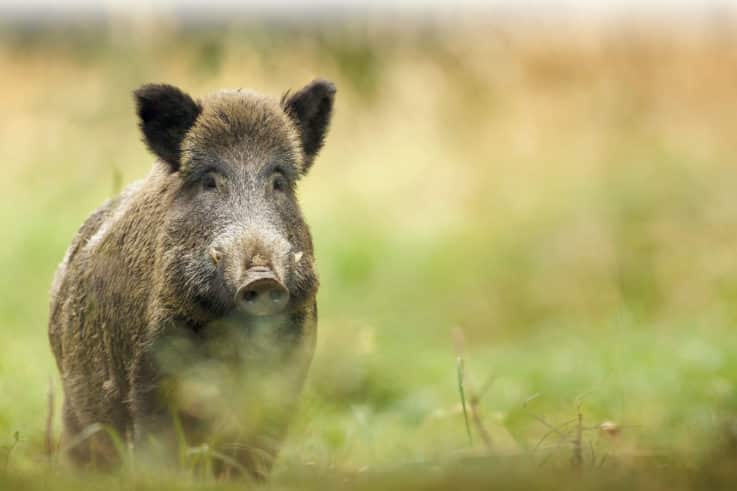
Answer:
(191, 295)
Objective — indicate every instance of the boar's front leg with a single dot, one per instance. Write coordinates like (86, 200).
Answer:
(154, 433)
(157, 423)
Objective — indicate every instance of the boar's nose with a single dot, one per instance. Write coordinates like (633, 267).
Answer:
(262, 293)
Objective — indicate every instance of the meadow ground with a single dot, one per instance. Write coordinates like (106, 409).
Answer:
(556, 205)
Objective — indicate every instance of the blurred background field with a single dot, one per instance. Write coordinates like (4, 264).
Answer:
(561, 192)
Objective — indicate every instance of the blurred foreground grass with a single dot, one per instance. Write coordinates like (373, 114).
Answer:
(565, 197)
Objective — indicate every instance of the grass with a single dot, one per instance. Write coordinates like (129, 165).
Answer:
(556, 207)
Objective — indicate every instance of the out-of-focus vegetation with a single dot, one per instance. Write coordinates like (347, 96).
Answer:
(564, 196)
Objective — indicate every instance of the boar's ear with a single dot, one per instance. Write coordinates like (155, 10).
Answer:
(165, 115)
(311, 108)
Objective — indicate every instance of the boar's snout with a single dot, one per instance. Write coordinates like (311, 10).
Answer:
(261, 293)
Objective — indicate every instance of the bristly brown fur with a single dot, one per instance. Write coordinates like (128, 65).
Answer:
(232, 121)
(139, 271)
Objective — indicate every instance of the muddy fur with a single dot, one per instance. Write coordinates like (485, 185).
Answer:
(143, 310)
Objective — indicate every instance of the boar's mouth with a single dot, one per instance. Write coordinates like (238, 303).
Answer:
(260, 293)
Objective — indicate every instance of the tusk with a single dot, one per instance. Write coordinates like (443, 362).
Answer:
(215, 255)
(297, 256)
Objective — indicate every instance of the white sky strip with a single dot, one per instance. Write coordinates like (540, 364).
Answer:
(603, 8)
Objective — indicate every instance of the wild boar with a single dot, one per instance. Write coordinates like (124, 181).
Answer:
(189, 300)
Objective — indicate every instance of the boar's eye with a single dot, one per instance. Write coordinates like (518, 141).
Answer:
(209, 182)
(279, 182)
